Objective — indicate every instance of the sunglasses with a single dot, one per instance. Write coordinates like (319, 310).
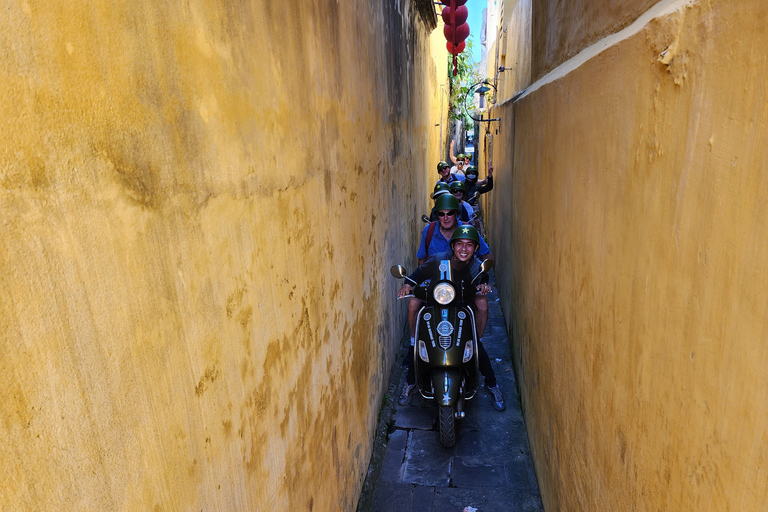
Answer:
(454, 192)
(449, 214)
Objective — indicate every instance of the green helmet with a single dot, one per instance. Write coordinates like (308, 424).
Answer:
(442, 165)
(465, 232)
(446, 202)
(441, 188)
(458, 185)
(461, 156)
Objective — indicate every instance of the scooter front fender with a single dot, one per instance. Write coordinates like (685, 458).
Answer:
(447, 385)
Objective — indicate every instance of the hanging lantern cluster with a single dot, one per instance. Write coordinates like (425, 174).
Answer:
(456, 29)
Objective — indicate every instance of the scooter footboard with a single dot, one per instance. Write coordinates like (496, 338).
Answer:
(447, 385)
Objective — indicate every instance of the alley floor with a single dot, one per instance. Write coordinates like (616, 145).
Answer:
(490, 468)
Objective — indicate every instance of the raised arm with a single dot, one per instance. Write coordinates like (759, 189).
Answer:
(451, 155)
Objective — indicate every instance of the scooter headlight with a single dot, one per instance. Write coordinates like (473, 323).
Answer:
(423, 351)
(444, 293)
(469, 350)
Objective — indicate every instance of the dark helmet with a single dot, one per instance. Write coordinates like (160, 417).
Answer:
(441, 188)
(442, 165)
(465, 232)
(446, 202)
(457, 185)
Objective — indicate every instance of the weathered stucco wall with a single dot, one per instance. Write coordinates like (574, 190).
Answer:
(514, 52)
(629, 225)
(562, 28)
(199, 202)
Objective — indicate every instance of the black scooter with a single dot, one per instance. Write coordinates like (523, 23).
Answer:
(445, 357)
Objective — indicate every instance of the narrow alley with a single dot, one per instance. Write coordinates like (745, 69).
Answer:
(199, 200)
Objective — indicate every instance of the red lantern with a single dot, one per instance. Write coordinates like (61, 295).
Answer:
(456, 29)
(455, 50)
(448, 33)
(460, 16)
(461, 33)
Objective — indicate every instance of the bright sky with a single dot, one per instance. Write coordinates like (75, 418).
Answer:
(475, 20)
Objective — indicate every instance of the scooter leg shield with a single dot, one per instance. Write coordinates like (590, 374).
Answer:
(447, 383)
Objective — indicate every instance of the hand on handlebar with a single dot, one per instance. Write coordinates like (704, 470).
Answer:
(483, 289)
(404, 290)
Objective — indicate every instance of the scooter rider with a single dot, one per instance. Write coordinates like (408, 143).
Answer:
(474, 187)
(459, 192)
(446, 176)
(440, 188)
(464, 266)
(435, 239)
(465, 210)
(458, 169)
(436, 235)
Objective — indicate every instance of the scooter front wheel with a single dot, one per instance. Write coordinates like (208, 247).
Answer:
(447, 426)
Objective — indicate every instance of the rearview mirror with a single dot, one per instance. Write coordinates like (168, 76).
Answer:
(398, 271)
(486, 265)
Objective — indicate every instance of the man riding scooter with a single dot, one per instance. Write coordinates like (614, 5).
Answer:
(463, 245)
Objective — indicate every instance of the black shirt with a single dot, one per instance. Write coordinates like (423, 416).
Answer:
(430, 269)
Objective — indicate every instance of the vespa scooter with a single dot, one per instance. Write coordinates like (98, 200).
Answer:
(445, 357)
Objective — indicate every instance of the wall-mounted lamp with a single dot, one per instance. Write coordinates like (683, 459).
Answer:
(480, 88)
(480, 91)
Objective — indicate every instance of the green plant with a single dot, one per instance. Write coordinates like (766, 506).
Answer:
(460, 84)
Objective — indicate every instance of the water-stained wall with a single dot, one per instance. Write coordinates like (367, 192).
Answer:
(628, 220)
(198, 204)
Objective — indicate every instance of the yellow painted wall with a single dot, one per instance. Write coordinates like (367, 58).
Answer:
(629, 226)
(562, 28)
(514, 52)
(199, 202)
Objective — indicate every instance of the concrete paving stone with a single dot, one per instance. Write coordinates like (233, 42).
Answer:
(470, 422)
(485, 500)
(518, 437)
(392, 465)
(518, 476)
(426, 461)
(469, 446)
(420, 414)
(423, 498)
(472, 472)
(392, 497)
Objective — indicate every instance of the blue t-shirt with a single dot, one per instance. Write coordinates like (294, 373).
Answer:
(440, 244)
(451, 178)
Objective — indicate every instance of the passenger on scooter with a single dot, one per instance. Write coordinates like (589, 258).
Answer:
(474, 187)
(440, 188)
(465, 210)
(461, 157)
(464, 267)
(435, 237)
(458, 191)
(444, 170)
(458, 169)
